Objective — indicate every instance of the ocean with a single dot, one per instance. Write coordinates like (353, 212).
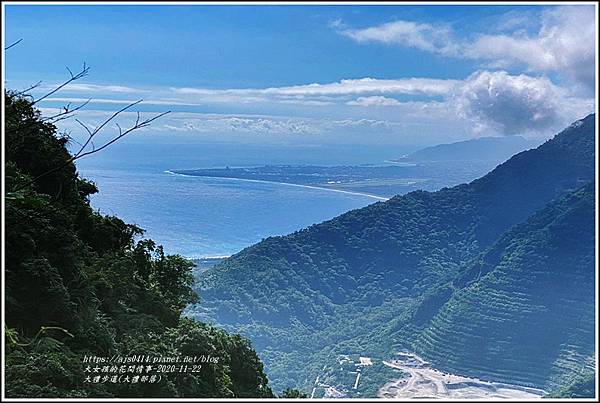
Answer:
(207, 217)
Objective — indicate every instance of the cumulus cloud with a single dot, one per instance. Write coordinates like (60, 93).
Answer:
(242, 124)
(518, 104)
(360, 123)
(563, 43)
(278, 125)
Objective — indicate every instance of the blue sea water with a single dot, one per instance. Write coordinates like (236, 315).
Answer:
(203, 217)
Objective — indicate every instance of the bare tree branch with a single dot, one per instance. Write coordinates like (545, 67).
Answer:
(71, 139)
(97, 129)
(13, 44)
(66, 112)
(92, 133)
(84, 71)
(26, 90)
(61, 116)
(137, 126)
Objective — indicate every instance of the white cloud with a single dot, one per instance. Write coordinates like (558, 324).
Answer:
(96, 88)
(497, 101)
(370, 123)
(486, 102)
(173, 102)
(409, 86)
(307, 102)
(251, 125)
(515, 20)
(563, 43)
(211, 125)
(374, 101)
(431, 38)
(279, 125)
(372, 91)
(315, 94)
(337, 24)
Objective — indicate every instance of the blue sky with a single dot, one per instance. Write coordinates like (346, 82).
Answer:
(347, 73)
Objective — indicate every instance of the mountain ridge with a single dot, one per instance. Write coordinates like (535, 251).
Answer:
(522, 295)
(379, 261)
(482, 148)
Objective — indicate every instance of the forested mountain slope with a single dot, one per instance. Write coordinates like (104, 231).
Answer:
(80, 283)
(524, 311)
(369, 266)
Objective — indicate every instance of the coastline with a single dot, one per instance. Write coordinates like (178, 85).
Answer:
(381, 198)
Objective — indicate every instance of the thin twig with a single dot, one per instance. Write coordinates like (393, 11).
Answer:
(66, 111)
(14, 44)
(97, 129)
(28, 89)
(137, 126)
(91, 133)
(84, 71)
(65, 114)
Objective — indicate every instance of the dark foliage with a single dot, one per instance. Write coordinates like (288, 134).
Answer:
(78, 283)
(293, 394)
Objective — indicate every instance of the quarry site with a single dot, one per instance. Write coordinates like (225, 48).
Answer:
(427, 382)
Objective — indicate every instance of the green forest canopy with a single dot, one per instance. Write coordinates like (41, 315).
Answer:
(82, 283)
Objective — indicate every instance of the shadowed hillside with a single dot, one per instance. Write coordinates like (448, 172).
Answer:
(525, 309)
(362, 275)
